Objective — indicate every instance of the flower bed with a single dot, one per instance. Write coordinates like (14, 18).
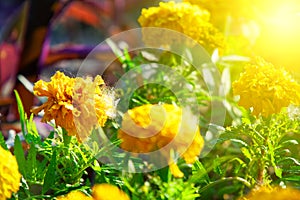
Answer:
(173, 126)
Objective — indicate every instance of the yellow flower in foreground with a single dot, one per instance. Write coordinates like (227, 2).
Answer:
(78, 105)
(184, 18)
(153, 127)
(266, 193)
(102, 191)
(9, 174)
(266, 88)
(108, 192)
(75, 195)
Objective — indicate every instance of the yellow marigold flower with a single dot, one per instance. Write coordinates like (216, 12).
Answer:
(236, 8)
(9, 174)
(149, 128)
(268, 193)
(108, 192)
(71, 100)
(174, 169)
(184, 18)
(75, 195)
(266, 88)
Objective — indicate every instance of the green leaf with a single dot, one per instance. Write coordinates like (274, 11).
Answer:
(41, 169)
(295, 178)
(48, 141)
(31, 161)
(240, 142)
(116, 50)
(21, 112)
(224, 180)
(229, 189)
(19, 153)
(2, 142)
(294, 160)
(164, 174)
(32, 135)
(287, 143)
(237, 168)
(246, 153)
(225, 85)
(278, 171)
(199, 173)
(246, 120)
(66, 137)
(50, 177)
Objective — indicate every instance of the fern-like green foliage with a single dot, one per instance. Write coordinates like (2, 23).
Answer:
(265, 149)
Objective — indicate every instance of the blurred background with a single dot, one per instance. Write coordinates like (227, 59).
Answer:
(38, 37)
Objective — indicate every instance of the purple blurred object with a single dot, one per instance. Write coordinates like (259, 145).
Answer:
(43, 129)
(77, 28)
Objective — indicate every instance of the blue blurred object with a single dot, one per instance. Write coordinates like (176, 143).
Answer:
(10, 13)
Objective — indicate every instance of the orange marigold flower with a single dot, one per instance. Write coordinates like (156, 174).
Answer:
(106, 191)
(269, 193)
(75, 195)
(152, 127)
(185, 18)
(78, 105)
(59, 105)
(266, 88)
(9, 174)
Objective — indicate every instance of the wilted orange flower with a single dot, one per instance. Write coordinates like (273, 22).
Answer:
(185, 18)
(266, 88)
(152, 127)
(94, 105)
(270, 193)
(73, 100)
(9, 174)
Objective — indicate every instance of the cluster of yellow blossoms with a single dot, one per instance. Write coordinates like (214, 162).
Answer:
(238, 8)
(100, 192)
(185, 18)
(269, 193)
(150, 127)
(9, 174)
(78, 105)
(266, 88)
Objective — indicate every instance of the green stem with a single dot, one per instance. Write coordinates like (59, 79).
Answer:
(222, 180)
(129, 187)
(38, 197)
(66, 137)
(261, 169)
